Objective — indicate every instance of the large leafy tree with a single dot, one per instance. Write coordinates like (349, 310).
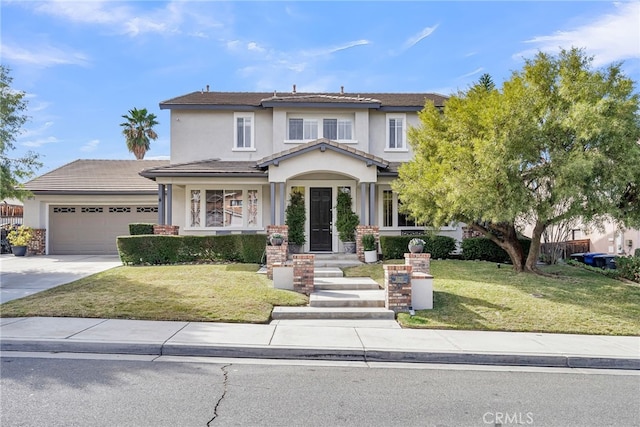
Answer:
(558, 141)
(138, 131)
(13, 170)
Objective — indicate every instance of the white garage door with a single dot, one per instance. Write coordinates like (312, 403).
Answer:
(93, 229)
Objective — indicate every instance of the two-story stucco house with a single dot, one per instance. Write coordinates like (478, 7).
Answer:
(236, 157)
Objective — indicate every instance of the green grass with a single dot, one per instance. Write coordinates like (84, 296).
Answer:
(479, 296)
(218, 293)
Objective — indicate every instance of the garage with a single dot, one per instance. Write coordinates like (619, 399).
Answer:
(91, 229)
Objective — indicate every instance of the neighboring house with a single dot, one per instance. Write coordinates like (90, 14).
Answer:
(237, 156)
(86, 204)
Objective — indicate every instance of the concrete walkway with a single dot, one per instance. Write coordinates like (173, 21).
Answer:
(373, 340)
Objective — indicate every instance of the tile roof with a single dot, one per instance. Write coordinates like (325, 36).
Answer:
(97, 177)
(206, 168)
(262, 99)
(323, 144)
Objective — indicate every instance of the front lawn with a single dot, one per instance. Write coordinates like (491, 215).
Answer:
(479, 296)
(219, 293)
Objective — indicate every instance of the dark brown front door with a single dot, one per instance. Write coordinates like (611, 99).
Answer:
(320, 219)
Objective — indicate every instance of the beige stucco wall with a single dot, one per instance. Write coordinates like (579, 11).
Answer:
(200, 135)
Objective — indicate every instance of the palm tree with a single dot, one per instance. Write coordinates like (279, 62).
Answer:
(138, 130)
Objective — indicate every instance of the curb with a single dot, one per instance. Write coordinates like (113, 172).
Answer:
(300, 353)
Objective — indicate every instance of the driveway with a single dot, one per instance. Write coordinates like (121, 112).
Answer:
(22, 276)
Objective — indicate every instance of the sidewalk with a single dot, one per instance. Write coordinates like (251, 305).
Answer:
(321, 340)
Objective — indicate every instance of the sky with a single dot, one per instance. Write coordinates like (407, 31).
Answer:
(84, 64)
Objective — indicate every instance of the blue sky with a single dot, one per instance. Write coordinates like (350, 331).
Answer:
(84, 64)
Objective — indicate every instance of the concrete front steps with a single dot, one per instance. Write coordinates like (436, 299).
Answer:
(337, 297)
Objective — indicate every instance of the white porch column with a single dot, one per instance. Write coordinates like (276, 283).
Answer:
(169, 203)
(281, 203)
(161, 203)
(363, 203)
(272, 190)
(372, 203)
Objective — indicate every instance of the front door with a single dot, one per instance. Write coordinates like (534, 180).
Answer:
(320, 220)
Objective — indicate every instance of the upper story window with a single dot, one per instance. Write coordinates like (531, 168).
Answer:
(396, 132)
(337, 129)
(308, 129)
(243, 134)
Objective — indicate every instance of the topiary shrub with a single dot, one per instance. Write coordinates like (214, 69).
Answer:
(296, 217)
(346, 219)
(138, 228)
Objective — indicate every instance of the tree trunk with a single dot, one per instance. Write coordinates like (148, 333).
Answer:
(534, 250)
(505, 236)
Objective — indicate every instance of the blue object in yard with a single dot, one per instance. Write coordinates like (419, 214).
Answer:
(605, 261)
(588, 257)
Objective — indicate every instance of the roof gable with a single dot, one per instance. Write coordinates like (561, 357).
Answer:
(323, 144)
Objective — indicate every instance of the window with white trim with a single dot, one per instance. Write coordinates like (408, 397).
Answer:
(223, 208)
(396, 132)
(392, 215)
(308, 129)
(303, 129)
(243, 134)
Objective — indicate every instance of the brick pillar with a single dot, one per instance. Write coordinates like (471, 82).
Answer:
(361, 230)
(38, 243)
(397, 282)
(276, 254)
(421, 262)
(303, 275)
(166, 230)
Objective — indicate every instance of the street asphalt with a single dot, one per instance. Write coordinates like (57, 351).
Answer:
(375, 340)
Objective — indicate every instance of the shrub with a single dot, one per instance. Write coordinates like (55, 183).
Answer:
(346, 219)
(629, 267)
(138, 228)
(394, 247)
(636, 253)
(159, 249)
(296, 217)
(369, 242)
(20, 236)
(484, 249)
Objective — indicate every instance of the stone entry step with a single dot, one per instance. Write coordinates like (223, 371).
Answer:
(327, 272)
(280, 313)
(345, 283)
(347, 298)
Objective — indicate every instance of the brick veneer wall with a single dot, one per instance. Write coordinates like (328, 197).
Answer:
(303, 274)
(166, 230)
(420, 262)
(38, 243)
(276, 254)
(361, 230)
(397, 295)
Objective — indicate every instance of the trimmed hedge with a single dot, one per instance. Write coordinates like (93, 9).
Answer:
(159, 249)
(484, 249)
(138, 228)
(394, 247)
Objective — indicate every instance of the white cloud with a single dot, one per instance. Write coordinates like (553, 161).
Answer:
(472, 73)
(609, 38)
(253, 46)
(415, 39)
(40, 142)
(122, 18)
(90, 146)
(334, 49)
(44, 56)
